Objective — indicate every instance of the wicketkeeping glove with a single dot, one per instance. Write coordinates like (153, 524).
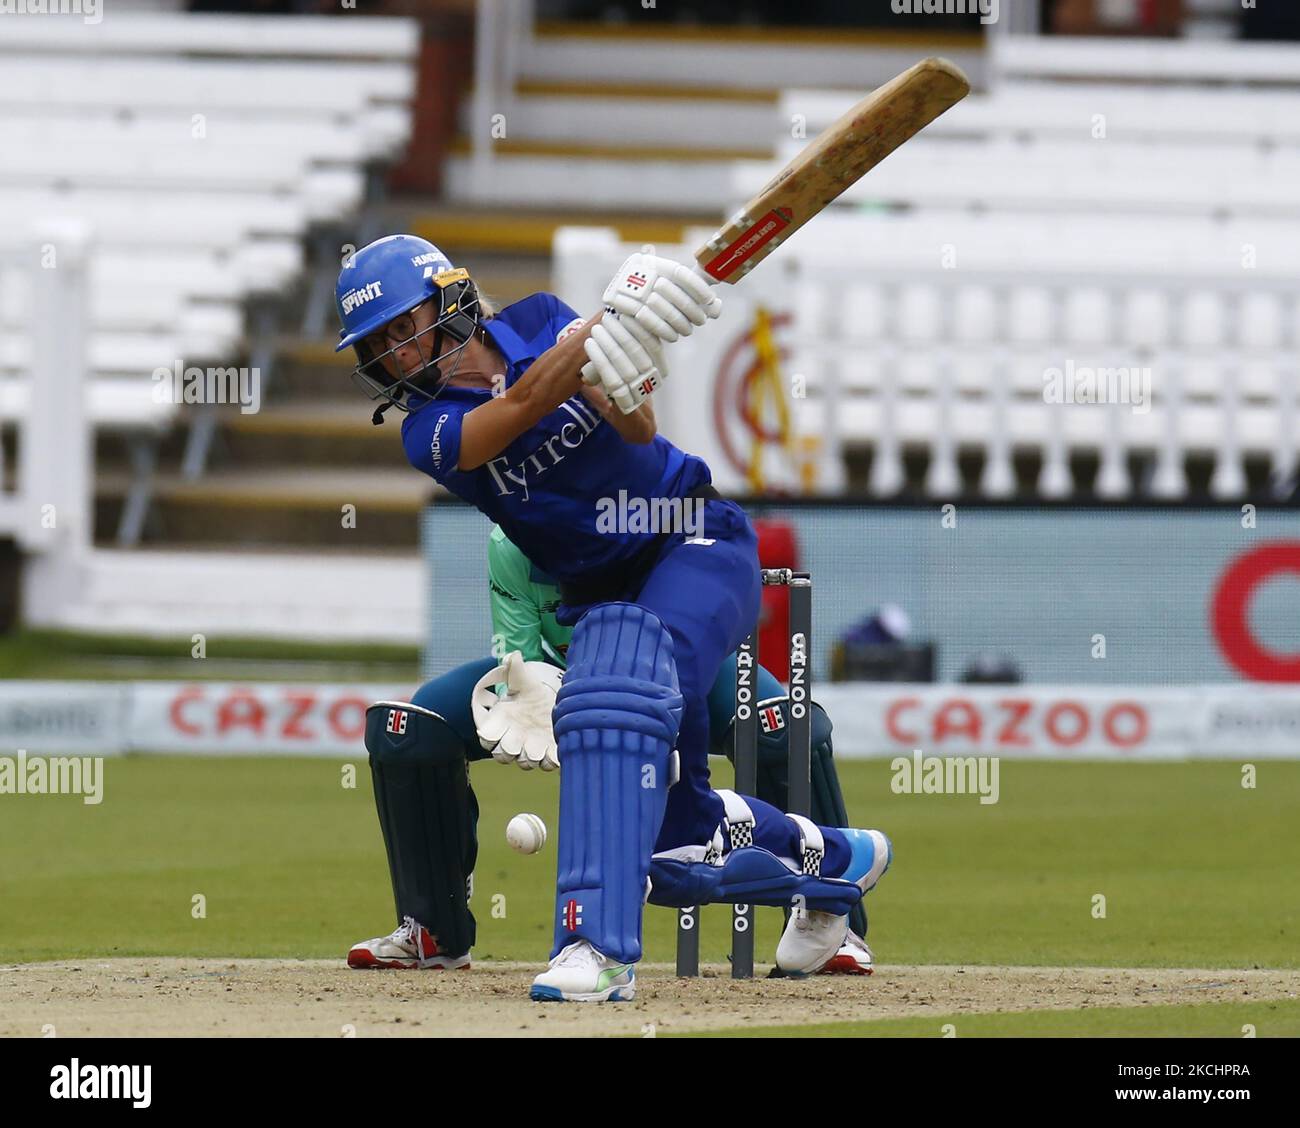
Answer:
(516, 727)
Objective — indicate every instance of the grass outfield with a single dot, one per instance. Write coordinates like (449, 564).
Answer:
(1273, 1019)
(1196, 871)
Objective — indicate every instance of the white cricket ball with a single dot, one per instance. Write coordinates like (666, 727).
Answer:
(526, 833)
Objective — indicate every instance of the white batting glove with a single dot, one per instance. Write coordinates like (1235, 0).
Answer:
(625, 360)
(665, 297)
(516, 727)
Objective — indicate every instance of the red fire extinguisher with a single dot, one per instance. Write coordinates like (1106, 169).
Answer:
(778, 547)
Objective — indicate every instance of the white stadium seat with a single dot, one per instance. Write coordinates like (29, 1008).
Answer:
(303, 37)
(191, 216)
(200, 153)
(203, 86)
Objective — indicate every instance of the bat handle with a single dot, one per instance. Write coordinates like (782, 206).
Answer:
(717, 302)
(704, 274)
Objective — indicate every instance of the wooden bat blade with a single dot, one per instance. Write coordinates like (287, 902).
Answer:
(838, 157)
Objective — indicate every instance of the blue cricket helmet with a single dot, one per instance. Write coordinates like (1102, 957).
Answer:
(380, 285)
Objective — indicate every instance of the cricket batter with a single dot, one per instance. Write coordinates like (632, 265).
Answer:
(495, 412)
(524, 602)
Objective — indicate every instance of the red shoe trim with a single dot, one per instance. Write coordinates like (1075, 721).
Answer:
(844, 965)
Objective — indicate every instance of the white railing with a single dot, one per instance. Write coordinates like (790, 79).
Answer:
(501, 30)
(48, 511)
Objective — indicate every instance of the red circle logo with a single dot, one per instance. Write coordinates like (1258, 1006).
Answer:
(1230, 607)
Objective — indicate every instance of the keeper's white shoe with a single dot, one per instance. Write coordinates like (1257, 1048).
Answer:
(580, 974)
(816, 942)
(810, 941)
(410, 945)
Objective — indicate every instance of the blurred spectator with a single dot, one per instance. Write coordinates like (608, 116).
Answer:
(878, 648)
(992, 669)
(886, 625)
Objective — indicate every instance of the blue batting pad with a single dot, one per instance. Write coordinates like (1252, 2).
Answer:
(616, 720)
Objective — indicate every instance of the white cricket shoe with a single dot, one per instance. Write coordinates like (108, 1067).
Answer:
(410, 945)
(816, 942)
(853, 958)
(580, 974)
(810, 941)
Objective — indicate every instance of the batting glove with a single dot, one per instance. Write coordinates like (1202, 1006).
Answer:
(625, 360)
(665, 297)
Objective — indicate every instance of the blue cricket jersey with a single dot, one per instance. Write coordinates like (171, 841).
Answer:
(544, 488)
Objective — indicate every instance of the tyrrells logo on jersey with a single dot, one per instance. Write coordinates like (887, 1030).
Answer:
(360, 296)
(507, 475)
(397, 721)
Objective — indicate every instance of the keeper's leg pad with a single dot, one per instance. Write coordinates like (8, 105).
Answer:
(428, 814)
(616, 721)
(773, 750)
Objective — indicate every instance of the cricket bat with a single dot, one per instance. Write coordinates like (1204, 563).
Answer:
(835, 160)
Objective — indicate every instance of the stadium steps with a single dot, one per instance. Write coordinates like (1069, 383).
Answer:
(388, 489)
(649, 114)
(279, 478)
(475, 232)
(645, 153)
(587, 177)
(664, 146)
(328, 433)
(280, 506)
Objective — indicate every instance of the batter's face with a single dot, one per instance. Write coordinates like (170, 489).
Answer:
(407, 344)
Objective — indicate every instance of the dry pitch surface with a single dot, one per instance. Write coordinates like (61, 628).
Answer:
(222, 997)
